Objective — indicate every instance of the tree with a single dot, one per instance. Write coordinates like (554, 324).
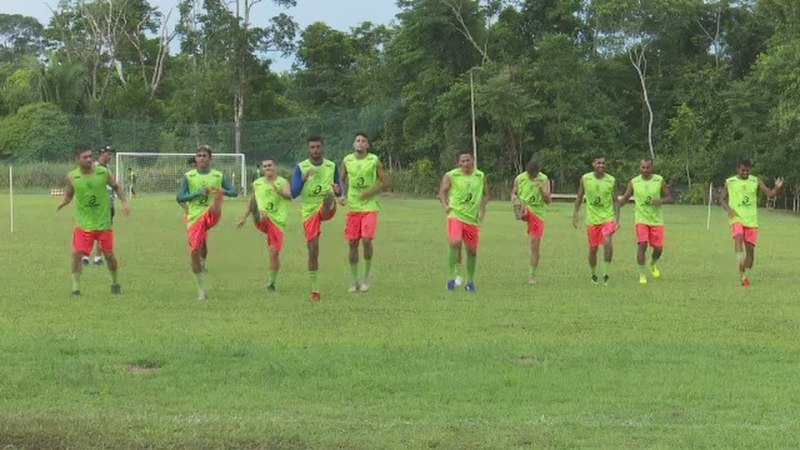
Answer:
(37, 132)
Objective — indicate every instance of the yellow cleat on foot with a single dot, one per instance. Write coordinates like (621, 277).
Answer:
(654, 270)
(642, 279)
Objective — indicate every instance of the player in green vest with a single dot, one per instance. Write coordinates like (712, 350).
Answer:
(739, 198)
(103, 159)
(464, 193)
(530, 197)
(602, 214)
(269, 205)
(649, 192)
(363, 177)
(317, 180)
(202, 190)
(88, 184)
(185, 207)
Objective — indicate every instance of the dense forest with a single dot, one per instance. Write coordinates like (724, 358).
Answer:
(694, 84)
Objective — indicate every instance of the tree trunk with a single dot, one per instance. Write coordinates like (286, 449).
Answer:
(639, 63)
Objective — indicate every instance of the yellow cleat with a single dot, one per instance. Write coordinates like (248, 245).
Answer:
(654, 270)
(642, 279)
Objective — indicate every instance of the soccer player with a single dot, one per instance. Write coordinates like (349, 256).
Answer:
(269, 206)
(317, 180)
(184, 206)
(104, 159)
(649, 192)
(363, 177)
(202, 189)
(132, 179)
(464, 193)
(602, 214)
(530, 197)
(88, 184)
(739, 198)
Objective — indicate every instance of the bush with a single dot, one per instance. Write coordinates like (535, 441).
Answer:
(37, 132)
(419, 179)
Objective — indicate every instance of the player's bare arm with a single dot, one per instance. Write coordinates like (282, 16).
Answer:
(615, 201)
(578, 202)
(69, 192)
(251, 204)
(444, 192)
(771, 192)
(345, 179)
(120, 194)
(515, 193)
(485, 199)
(666, 196)
(544, 189)
(627, 195)
(723, 200)
(285, 192)
(383, 183)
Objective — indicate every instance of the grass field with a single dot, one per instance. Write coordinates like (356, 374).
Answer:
(692, 360)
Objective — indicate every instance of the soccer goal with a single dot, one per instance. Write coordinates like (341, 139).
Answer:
(162, 172)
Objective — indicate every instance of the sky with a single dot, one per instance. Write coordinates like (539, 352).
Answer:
(339, 14)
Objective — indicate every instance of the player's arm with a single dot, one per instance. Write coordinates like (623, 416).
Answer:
(383, 183)
(615, 201)
(251, 205)
(345, 184)
(771, 192)
(544, 188)
(228, 189)
(487, 195)
(120, 194)
(723, 200)
(444, 192)
(515, 193)
(298, 181)
(69, 192)
(184, 195)
(578, 202)
(284, 191)
(337, 182)
(666, 195)
(627, 195)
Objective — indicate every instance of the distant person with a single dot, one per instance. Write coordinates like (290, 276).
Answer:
(739, 198)
(530, 197)
(132, 181)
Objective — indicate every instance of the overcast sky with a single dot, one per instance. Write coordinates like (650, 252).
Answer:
(339, 14)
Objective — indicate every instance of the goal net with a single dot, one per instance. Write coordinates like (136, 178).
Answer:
(162, 172)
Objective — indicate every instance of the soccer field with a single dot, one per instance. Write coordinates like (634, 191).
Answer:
(689, 360)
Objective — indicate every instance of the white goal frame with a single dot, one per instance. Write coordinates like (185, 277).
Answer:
(120, 177)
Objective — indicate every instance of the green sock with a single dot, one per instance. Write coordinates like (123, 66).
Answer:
(367, 268)
(198, 277)
(594, 270)
(273, 276)
(641, 269)
(354, 272)
(607, 265)
(532, 271)
(114, 277)
(452, 263)
(313, 276)
(76, 282)
(471, 261)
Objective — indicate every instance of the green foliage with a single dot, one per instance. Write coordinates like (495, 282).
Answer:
(38, 132)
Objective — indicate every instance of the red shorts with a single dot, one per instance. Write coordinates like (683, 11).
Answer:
(651, 234)
(535, 225)
(83, 241)
(198, 231)
(464, 232)
(748, 234)
(313, 226)
(598, 233)
(273, 232)
(361, 225)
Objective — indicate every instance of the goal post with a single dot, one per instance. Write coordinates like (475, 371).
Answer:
(161, 173)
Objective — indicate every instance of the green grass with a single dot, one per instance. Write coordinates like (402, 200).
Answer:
(692, 360)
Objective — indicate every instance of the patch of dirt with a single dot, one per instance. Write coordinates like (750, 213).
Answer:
(142, 367)
(526, 360)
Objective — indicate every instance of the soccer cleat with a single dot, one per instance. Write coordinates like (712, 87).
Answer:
(85, 261)
(202, 295)
(98, 260)
(459, 281)
(451, 285)
(594, 279)
(353, 289)
(642, 279)
(364, 285)
(470, 287)
(655, 271)
(315, 297)
(519, 212)
(606, 279)
(75, 293)
(746, 282)
(531, 280)
(271, 288)
(116, 289)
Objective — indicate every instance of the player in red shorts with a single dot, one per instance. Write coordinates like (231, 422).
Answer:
(363, 177)
(464, 193)
(530, 197)
(649, 191)
(88, 184)
(202, 189)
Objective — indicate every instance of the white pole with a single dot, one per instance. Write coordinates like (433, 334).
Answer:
(11, 195)
(472, 106)
(710, 200)
(244, 175)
